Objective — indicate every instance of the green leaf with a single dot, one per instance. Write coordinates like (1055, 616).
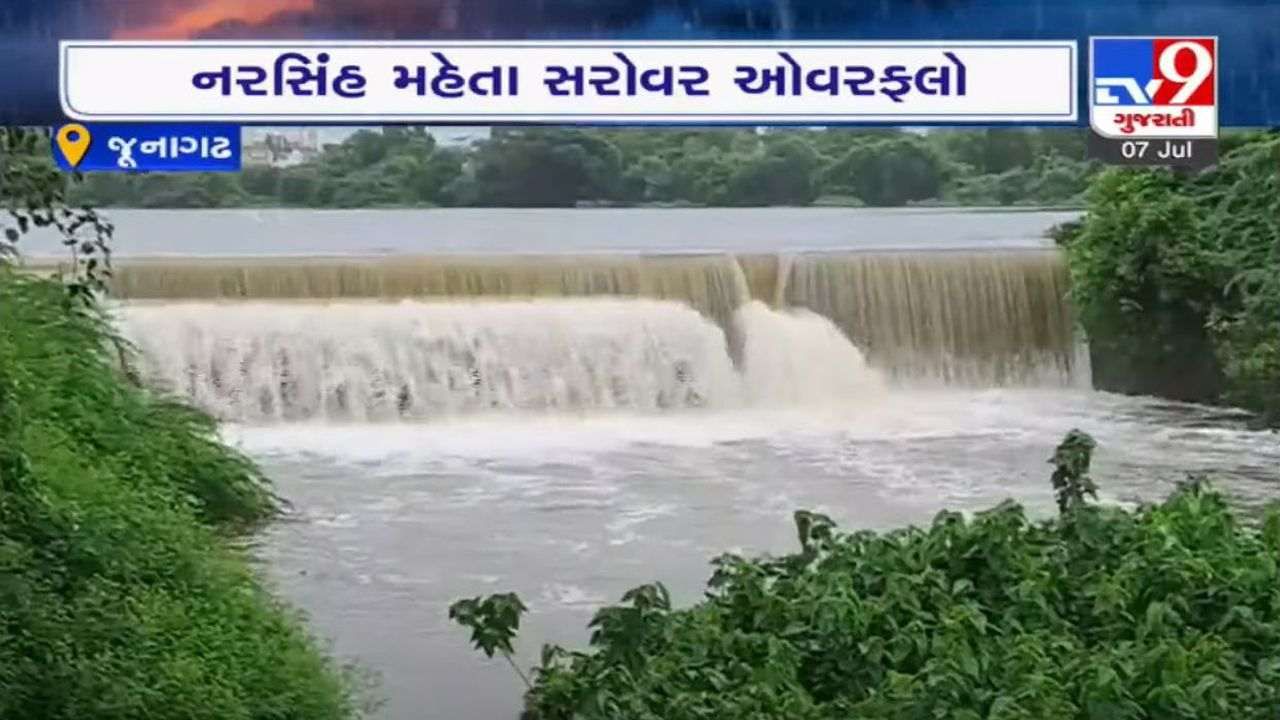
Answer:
(1271, 528)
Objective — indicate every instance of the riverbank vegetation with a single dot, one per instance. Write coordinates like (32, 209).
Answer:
(563, 167)
(1165, 611)
(1176, 279)
(122, 592)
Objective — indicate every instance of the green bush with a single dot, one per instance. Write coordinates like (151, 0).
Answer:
(1167, 611)
(1243, 203)
(61, 362)
(118, 597)
(1176, 279)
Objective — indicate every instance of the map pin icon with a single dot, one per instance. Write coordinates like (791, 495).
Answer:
(73, 141)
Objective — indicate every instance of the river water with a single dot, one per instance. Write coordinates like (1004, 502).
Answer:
(568, 428)
(508, 230)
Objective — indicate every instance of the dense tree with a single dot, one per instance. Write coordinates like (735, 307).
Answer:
(890, 171)
(298, 187)
(550, 168)
(650, 179)
(1175, 279)
(255, 180)
(561, 167)
(784, 171)
(989, 151)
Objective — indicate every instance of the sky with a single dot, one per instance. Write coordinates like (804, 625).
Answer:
(181, 19)
(185, 19)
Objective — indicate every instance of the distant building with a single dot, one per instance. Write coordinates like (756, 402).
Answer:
(455, 136)
(289, 146)
(280, 147)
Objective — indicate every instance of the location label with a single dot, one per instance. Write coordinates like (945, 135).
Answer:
(73, 141)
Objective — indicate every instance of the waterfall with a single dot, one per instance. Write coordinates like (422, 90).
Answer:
(937, 317)
(972, 318)
(797, 357)
(363, 361)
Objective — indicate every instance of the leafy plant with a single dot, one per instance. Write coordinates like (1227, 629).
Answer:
(35, 194)
(494, 622)
(1166, 611)
(1174, 279)
(120, 596)
(1071, 481)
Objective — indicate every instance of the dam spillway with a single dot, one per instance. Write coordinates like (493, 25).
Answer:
(350, 338)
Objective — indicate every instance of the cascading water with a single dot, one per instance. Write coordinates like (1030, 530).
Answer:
(712, 284)
(952, 318)
(797, 357)
(414, 360)
(641, 333)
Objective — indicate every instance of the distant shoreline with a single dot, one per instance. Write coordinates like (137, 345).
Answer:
(299, 232)
(919, 208)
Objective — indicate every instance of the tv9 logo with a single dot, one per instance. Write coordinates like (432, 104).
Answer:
(1153, 87)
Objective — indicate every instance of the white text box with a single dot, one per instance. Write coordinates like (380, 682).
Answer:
(987, 82)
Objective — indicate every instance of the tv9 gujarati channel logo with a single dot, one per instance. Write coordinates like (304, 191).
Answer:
(1154, 87)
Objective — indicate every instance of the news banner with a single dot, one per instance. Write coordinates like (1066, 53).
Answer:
(1150, 100)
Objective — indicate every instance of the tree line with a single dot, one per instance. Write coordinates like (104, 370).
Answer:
(567, 166)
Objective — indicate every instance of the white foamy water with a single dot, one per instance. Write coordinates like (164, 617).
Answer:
(797, 357)
(253, 362)
(422, 361)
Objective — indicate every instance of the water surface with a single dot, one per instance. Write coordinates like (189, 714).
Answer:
(505, 230)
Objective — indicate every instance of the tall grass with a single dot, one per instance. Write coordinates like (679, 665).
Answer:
(119, 594)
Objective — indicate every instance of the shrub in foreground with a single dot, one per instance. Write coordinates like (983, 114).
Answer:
(118, 596)
(1167, 611)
